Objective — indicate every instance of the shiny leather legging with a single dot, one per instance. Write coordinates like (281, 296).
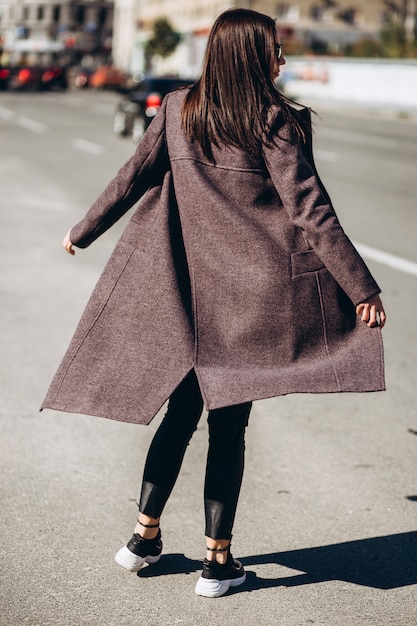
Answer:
(225, 459)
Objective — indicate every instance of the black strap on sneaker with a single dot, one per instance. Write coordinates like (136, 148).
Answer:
(149, 525)
(226, 549)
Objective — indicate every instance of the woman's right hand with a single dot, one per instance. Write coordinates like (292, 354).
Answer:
(372, 312)
(67, 243)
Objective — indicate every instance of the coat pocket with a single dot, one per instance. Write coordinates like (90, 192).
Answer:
(303, 262)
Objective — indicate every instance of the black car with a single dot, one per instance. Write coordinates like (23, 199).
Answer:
(4, 77)
(138, 108)
(28, 78)
(38, 78)
(54, 77)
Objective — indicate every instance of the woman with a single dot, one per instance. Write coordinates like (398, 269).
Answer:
(233, 281)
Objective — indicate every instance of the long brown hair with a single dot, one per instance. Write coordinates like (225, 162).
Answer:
(231, 101)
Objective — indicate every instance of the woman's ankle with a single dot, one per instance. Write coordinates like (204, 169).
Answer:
(147, 527)
(217, 550)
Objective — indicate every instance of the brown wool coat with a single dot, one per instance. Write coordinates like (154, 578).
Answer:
(238, 269)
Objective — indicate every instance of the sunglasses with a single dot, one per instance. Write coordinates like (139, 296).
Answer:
(278, 50)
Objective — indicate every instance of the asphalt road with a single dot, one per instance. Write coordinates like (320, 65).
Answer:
(326, 526)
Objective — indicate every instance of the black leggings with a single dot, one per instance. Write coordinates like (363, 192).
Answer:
(225, 459)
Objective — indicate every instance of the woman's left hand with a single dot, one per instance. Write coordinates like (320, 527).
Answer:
(67, 243)
(372, 312)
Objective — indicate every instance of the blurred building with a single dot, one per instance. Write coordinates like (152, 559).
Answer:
(128, 39)
(45, 30)
(328, 25)
(133, 24)
(321, 25)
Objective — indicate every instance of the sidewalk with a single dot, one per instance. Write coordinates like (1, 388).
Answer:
(399, 113)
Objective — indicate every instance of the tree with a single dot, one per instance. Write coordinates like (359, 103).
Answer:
(164, 39)
(399, 35)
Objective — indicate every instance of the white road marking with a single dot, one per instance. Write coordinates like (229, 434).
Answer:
(32, 125)
(385, 258)
(326, 155)
(23, 121)
(367, 140)
(87, 146)
(6, 114)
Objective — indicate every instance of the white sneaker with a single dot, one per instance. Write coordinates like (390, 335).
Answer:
(216, 579)
(139, 551)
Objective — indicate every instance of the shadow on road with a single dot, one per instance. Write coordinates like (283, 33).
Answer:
(171, 564)
(381, 562)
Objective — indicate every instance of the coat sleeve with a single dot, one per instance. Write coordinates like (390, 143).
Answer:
(143, 170)
(293, 173)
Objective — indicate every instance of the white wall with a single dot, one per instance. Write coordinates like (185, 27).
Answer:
(371, 82)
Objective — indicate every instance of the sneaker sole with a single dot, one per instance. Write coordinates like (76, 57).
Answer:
(210, 588)
(132, 562)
